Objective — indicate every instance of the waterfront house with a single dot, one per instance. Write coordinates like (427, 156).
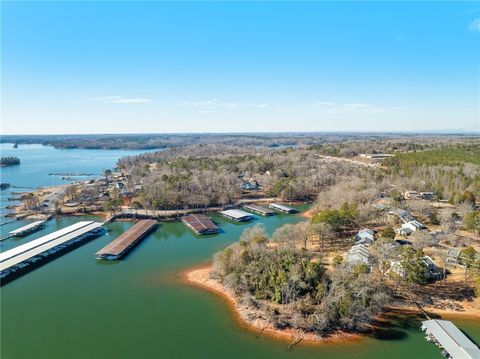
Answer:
(365, 236)
(359, 254)
(431, 270)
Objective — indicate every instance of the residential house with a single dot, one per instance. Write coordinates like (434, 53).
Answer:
(365, 236)
(413, 225)
(453, 256)
(402, 214)
(251, 185)
(431, 269)
(359, 254)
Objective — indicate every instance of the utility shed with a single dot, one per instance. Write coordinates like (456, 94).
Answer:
(236, 215)
(200, 224)
(456, 345)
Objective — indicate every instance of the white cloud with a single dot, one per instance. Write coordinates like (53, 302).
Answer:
(121, 99)
(210, 105)
(475, 25)
(348, 108)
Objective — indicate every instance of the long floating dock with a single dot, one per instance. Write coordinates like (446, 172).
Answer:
(454, 343)
(21, 259)
(29, 228)
(200, 224)
(282, 208)
(259, 210)
(121, 245)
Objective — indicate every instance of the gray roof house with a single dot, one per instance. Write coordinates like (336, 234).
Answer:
(365, 236)
(359, 254)
(429, 264)
(402, 214)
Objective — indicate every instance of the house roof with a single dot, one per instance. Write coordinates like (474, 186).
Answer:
(453, 252)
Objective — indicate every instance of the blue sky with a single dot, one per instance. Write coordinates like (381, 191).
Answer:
(123, 67)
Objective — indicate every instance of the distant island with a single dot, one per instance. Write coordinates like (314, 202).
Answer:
(9, 161)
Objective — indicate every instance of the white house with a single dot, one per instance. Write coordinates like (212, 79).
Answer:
(413, 225)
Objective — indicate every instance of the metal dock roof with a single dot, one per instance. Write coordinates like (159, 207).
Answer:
(236, 214)
(259, 209)
(200, 223)
(28, 227)
(120, 245)
(282, 208)
(42, 240)
(14, 256)
(455, 343)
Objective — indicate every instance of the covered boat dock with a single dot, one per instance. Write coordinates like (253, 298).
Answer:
(282, 208)
(259, 210)
(236, 215)
(448, 337)
(121, 245)
(29, 228)
(200, 224)
(22, 258)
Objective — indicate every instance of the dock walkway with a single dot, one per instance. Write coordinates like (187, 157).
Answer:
(120, 246)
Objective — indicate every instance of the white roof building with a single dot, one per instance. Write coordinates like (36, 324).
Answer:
(454, 342)
(236, 215)
(413, 225)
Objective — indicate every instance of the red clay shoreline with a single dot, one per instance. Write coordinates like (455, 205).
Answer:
(198, 276)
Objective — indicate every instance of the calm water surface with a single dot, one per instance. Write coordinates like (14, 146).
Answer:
(77, 307)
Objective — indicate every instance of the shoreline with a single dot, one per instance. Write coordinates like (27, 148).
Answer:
(198, 276)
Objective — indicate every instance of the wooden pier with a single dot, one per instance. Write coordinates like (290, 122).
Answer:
(200, 224)
(120, 246)
(259, 210)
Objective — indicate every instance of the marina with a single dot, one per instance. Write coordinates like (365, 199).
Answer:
(259, 210)
(29, 228)
(450, 339)
(236, 215)
(200, 224)
(282, 208)
(123, 244)
(22, 258)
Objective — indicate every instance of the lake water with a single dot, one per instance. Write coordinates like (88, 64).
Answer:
(77, 307)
